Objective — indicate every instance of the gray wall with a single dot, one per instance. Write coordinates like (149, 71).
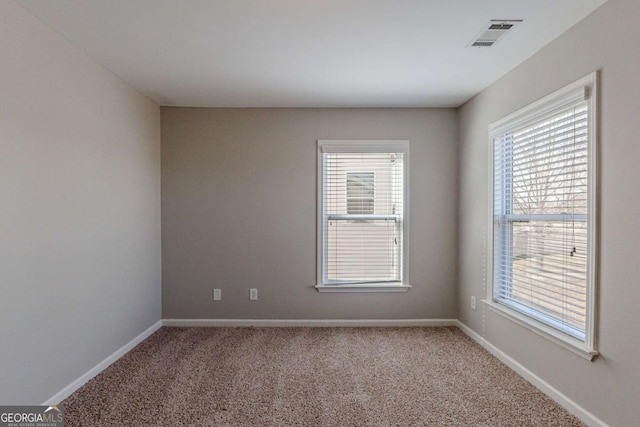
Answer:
(239, 211)
(608, 40)
(80, 217)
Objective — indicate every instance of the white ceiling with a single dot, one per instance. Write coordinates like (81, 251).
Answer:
(307, 53)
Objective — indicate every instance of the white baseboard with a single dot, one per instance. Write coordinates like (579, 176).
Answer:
(310, 322)
(68, 390)
(555, 394)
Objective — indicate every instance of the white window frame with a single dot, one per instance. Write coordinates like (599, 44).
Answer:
(363, 146)
(587, 88)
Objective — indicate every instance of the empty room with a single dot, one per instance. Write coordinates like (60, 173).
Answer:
(319, 213)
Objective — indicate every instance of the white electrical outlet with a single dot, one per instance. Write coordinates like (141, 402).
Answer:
(473, 303)
(253, 294)
(217, 294)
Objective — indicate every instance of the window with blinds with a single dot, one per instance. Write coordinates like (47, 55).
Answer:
(362, 218)
(543, 212)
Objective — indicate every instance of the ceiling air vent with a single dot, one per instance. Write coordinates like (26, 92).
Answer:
(494, 31)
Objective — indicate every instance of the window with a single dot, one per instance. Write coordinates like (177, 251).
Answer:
(543, 218)
(362, 221)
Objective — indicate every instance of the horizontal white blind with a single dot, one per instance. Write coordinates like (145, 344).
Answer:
(362, 217)
(541, 171)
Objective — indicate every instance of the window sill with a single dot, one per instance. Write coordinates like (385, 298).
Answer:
(369, 287)
(557, 337)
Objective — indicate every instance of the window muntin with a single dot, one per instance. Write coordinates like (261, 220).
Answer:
(362, 222)
(544, 213)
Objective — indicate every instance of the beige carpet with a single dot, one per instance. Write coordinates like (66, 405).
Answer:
(311, 377)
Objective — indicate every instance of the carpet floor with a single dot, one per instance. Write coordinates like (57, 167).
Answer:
(311, 377)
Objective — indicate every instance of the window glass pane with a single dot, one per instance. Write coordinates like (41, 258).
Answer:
(549, 270)
(549, 164)
(363, 251)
